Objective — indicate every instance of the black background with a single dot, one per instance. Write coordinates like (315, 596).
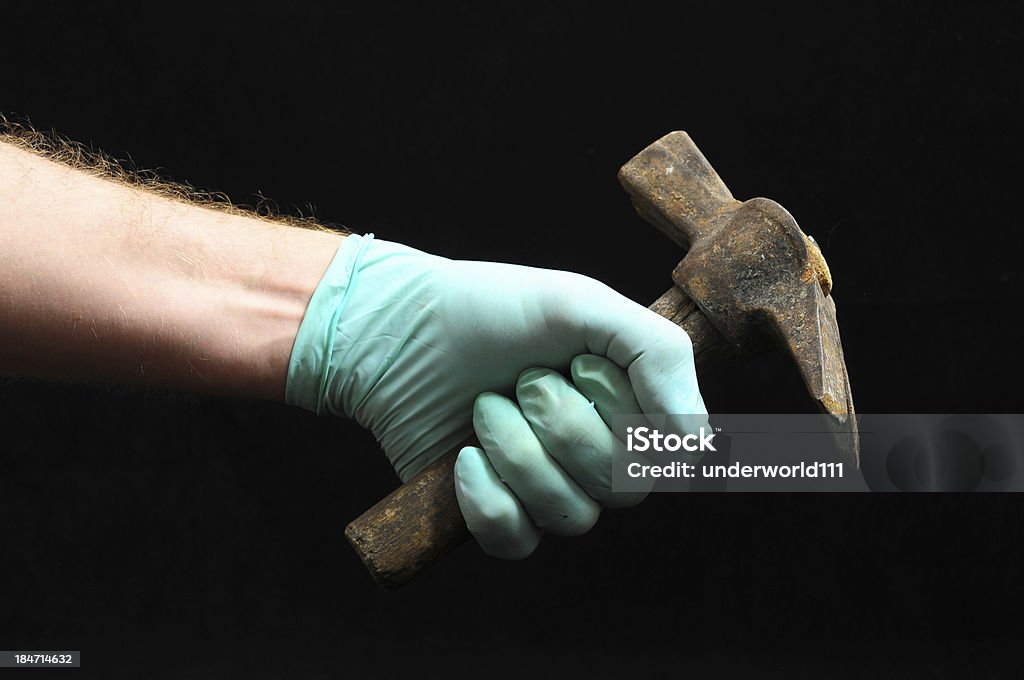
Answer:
(172, 536)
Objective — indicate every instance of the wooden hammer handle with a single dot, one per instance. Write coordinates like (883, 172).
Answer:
(420, 521)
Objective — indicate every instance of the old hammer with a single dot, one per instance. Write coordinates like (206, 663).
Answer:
(750, 280)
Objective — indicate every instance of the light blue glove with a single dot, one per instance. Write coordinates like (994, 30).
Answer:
(546, 463)
(404, 342)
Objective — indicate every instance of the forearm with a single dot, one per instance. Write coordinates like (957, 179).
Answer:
(102, 281)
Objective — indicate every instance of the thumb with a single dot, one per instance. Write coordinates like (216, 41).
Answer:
(656, 353)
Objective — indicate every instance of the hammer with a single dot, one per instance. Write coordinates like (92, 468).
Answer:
(750, 280)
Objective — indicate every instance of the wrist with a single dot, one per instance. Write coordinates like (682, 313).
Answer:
(312, 354)
(259, 321)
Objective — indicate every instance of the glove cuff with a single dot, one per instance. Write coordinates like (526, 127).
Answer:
(310, 362)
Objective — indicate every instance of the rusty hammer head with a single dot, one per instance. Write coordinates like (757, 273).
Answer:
(756, 276)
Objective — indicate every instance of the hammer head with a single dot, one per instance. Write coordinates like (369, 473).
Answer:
(757, 277)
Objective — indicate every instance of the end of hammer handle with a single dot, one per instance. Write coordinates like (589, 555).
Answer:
(405, 532)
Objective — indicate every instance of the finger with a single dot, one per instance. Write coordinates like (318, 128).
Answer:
(605, 383)
(492, 513)
(574, 434)
(548, 494)
(656, 353)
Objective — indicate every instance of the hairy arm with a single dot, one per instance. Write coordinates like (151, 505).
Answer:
(103, 280)
(100, 280)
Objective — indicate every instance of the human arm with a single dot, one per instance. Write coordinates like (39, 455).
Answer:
(100, 280)
(104, 281)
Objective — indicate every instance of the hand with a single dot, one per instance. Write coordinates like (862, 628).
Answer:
(546, 463)
(404, 342)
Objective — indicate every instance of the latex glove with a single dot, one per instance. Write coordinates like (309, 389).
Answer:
(403, 342)
(546, 462)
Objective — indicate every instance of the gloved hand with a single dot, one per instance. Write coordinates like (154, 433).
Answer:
(404, 342)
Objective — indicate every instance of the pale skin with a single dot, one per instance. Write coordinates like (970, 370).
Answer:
(107, 282)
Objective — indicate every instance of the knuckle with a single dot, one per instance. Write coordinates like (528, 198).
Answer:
(540, 393)
(566, 292)
(676, 336)
(570, 438)
(511, 460)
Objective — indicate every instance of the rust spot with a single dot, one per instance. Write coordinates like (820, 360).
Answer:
(831, 405)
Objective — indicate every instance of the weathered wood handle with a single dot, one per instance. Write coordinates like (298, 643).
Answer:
(420, 521)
